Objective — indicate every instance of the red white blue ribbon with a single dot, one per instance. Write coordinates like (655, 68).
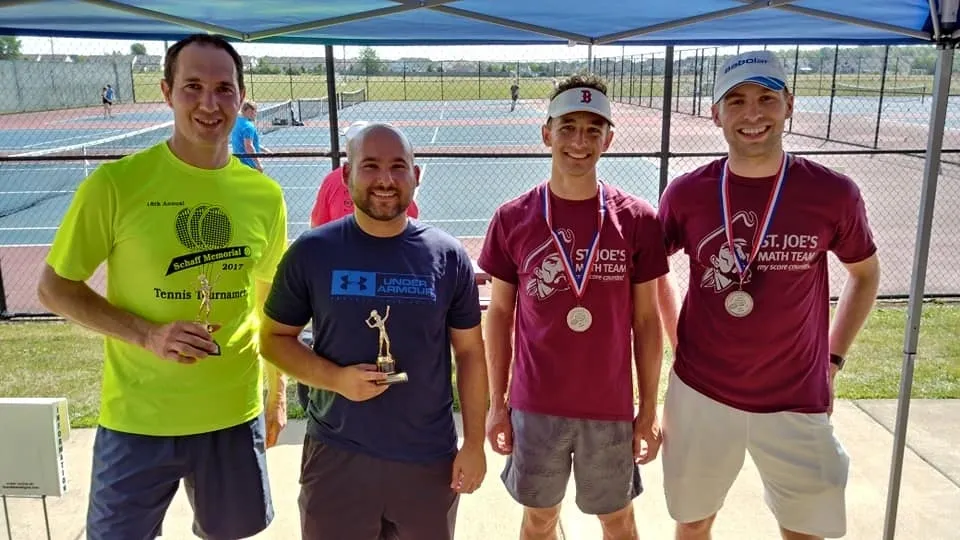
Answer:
(765, 220)
(578, 280)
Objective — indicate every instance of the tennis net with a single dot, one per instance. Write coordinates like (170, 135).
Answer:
(349, 99)
(851, 90)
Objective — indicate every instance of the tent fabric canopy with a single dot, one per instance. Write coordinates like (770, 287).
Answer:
(596, 22)
(482, 22)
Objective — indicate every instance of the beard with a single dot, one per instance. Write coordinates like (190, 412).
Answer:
(381, 210)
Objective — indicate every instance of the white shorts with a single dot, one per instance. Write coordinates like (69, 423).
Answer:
(803, 466)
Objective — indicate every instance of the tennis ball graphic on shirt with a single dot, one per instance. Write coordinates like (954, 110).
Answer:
(203, 227)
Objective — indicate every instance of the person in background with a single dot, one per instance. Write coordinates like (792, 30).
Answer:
(244, 138)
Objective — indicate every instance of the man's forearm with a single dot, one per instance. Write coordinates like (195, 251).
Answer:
(853, 308)
(499, 355)
(294, 358)
(76, 301)
(648, 353)
(472, 386)
(669, 306)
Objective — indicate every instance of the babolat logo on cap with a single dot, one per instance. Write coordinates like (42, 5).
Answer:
(739, 63)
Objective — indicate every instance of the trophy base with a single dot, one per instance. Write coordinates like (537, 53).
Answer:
(386, 364)
(216, 352)
(394, 378)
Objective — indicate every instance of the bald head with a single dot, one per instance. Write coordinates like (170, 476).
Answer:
(380, 172)
(376, 132)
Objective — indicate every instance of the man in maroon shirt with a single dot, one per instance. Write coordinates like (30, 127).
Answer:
(575, 261)
(755, 354)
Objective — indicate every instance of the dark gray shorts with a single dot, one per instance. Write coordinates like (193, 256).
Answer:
(136, 476)
(351, 496)
(600, 452)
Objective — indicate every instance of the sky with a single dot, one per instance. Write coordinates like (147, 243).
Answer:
(35, 45)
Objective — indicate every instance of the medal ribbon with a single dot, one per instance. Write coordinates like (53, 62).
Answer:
(765, 220)
(578, 281)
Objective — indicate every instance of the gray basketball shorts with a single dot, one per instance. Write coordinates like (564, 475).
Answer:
(600, 453)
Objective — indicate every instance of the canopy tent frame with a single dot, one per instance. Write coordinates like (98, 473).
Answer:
(941, 20)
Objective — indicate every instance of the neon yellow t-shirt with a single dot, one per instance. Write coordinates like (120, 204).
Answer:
(160, 224)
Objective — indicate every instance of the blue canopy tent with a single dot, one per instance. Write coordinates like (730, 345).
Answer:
(597, 22)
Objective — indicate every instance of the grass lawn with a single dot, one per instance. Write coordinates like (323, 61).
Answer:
(54, 359)
(272, 88)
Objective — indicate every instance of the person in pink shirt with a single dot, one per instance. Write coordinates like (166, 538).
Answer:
(755, 351)
(574, 264)
(333, 198)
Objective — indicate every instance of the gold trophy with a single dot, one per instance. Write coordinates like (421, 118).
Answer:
(385, 361)
(203, 317)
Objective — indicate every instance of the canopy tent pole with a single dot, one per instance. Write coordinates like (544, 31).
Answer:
(931, 170)
(332, 106)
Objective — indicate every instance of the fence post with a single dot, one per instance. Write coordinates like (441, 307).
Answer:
(630, 100)
(404, 80)
(833, 89)
(441, 79)
(679, 76)
(290, 78)
(366, 68)
(332, 106)
(3, 296)
(883, 81)
(796, 66)
(665, 121)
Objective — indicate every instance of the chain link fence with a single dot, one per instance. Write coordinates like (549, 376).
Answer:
(863, 111)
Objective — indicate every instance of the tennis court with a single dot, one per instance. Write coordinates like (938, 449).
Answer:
(456, 194)
(460, 194)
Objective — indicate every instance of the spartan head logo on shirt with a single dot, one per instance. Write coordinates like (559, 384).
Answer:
(544, 268)
(206, 231)
(714, 253)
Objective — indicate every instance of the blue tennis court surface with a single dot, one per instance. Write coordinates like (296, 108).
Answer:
(459, 195)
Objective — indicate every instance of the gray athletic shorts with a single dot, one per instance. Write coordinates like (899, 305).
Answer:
(600, 453)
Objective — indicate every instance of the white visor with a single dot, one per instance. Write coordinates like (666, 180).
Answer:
(580, 99)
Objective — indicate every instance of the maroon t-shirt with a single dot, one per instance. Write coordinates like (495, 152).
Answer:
(777, 357)
(556, 370)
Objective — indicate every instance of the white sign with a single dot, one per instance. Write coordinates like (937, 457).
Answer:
(32, 432)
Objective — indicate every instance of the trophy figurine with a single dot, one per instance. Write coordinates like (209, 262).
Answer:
(203, 317)
(385, 361)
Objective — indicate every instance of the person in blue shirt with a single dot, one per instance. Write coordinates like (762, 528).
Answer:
(108, 96)
(244, 139)
(380, 460)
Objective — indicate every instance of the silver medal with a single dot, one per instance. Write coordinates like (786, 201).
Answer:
(579, 319)
(738, 303)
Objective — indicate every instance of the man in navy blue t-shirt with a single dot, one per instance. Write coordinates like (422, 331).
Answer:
(381, 460)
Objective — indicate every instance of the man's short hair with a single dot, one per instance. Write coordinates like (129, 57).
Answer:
(173, 53)
(248, 105)
(580, 80)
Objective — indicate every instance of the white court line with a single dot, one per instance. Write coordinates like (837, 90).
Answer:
(35, 192)
(28, 228)
(97, 134)
(8, 246)
(436, 130)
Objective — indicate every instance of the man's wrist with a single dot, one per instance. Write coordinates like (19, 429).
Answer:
(837, 360)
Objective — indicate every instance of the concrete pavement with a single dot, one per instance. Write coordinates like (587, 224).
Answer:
(929, 499)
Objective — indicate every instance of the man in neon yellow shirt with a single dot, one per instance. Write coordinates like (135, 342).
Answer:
(191, 238)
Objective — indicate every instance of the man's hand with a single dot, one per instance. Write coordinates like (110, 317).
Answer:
(830, 383)
(276, 417)
(499, 430)
(469, 468)
(359, 382)
(181, 341)
(646, 436)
